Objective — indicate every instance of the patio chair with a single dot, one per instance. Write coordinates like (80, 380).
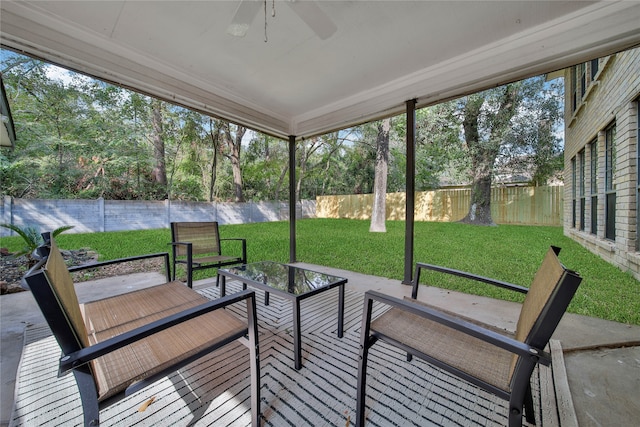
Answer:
(197, 245)
(122, 343)
(482, 355)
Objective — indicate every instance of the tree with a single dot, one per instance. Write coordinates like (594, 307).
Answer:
(320, 165)
(49, 117)
(511, 124)
(79, 137)
(534, 143)
(265, 166)
(438, 150)
(232, 139)
(84, 138)
(114, 163)
(157, 141)
(360, 166)
(214, 143)
(378, 213)
(485, 123)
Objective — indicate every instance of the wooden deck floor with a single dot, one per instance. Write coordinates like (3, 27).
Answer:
(214, 391)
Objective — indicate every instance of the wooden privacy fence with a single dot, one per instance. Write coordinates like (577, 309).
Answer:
(509, 205)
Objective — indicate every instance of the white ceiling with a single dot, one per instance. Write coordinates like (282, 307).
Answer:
(382, 54)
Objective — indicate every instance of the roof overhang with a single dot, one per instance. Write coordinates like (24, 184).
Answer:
(382, 54)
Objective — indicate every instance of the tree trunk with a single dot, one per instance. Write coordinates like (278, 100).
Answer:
(235, 163)
(302, 158)
(235, 144)
(480, 205)
(214, 134)
(483, 157)
(378, 212)
(157, 139)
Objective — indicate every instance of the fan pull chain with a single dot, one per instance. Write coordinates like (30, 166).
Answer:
(273, 15)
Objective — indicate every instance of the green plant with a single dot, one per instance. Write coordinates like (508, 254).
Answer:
(32, 237)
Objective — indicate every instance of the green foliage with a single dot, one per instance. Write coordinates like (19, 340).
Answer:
(265, 167)
(31, 236)
(510, 253)
(82, 138)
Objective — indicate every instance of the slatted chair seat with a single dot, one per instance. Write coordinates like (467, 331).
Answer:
(492, 359)
(198, 246)
(455, 348)
(122, 343)
(111, 317)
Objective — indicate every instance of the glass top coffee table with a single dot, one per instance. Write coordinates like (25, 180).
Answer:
(289, 282)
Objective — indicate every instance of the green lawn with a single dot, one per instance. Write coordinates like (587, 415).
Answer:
(507, 252)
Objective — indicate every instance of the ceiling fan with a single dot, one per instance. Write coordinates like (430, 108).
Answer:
(308, 11)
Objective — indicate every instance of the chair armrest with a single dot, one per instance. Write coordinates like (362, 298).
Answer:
(180, 243)
(188, 245)
(244, 246)
(122, 260)
(420, 266)
(507, 343)
(85, 355)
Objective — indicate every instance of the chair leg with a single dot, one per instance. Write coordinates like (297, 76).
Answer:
(362, 387)
(528, 406)
(518, 396)
(190, 266)
(515, 417)
(521, 398)
(254, 355)
(88, 396)
(365, 343)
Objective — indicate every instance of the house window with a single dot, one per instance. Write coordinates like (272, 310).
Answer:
(578, 85)
(581, 187)
(574, 89)
(573, 192)
(609, 186)
(595, 64)
(582, 75)
(593, 150)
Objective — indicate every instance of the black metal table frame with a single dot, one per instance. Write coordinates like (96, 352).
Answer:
(295, 299)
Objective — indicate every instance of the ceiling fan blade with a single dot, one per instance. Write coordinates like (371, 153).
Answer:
(244, 16)
(314, 17)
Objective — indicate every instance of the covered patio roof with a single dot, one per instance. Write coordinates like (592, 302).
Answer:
(317, 66)
(326, 65)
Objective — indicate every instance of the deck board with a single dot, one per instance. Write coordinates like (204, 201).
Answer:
(215, 389)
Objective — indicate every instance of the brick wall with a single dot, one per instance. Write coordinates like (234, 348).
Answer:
(610, 98)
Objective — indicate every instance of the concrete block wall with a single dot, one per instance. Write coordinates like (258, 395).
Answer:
(135, 215)
(88, 216)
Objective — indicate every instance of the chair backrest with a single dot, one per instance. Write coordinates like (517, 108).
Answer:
(53, 289)
(203, 236)
(548, 297)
